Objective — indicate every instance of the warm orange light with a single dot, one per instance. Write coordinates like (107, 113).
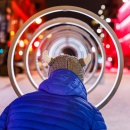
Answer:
(12, 33)
(25, 41)
(8, 10)
(40, 36)
(14, 21)
(49, 36)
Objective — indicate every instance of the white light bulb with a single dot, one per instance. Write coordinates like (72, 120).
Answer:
(103, 6)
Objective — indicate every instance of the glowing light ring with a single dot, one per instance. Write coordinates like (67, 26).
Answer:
(87, 37)
(70, 21)
(72, 9)
(60, 33)
(34, 36)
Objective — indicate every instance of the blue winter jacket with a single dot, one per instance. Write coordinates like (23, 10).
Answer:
(59, 104)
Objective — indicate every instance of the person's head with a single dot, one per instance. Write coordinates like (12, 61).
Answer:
(67, 62)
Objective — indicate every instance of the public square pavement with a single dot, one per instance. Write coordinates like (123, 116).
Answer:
(116, 112)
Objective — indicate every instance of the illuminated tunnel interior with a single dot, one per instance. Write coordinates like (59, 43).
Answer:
(69, 51)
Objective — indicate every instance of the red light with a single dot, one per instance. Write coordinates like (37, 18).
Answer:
(124, 11)
(124, 7)
(8, 43)
(125, 22)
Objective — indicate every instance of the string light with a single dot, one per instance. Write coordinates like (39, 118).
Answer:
(103, 7)
(102, 16)
(38, 20)
(109, 59)
(21, 43)
(99, 30)
(102, 35)
(20, 53)
(107, 46)
(108, 20)
(36, 44)
(100, 12)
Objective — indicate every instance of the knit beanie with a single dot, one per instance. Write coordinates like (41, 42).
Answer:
(67, 62)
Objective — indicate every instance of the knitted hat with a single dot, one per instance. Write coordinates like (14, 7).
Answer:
(66, 62)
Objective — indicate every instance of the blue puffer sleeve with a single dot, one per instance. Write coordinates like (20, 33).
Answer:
(98, 122)
(3, 119)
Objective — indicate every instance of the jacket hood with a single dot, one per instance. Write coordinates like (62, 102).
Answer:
(64, 82)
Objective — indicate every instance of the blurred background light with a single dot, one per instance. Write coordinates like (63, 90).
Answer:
(21, 43)
(108, 20)
(38, 20)
(36, 44)
(20, 53)
(1, 51)
(100, 12)
(103, 7)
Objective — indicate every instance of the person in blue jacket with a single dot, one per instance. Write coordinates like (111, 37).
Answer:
(60, 102)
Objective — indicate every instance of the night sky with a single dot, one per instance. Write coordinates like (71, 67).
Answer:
(92, 5)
